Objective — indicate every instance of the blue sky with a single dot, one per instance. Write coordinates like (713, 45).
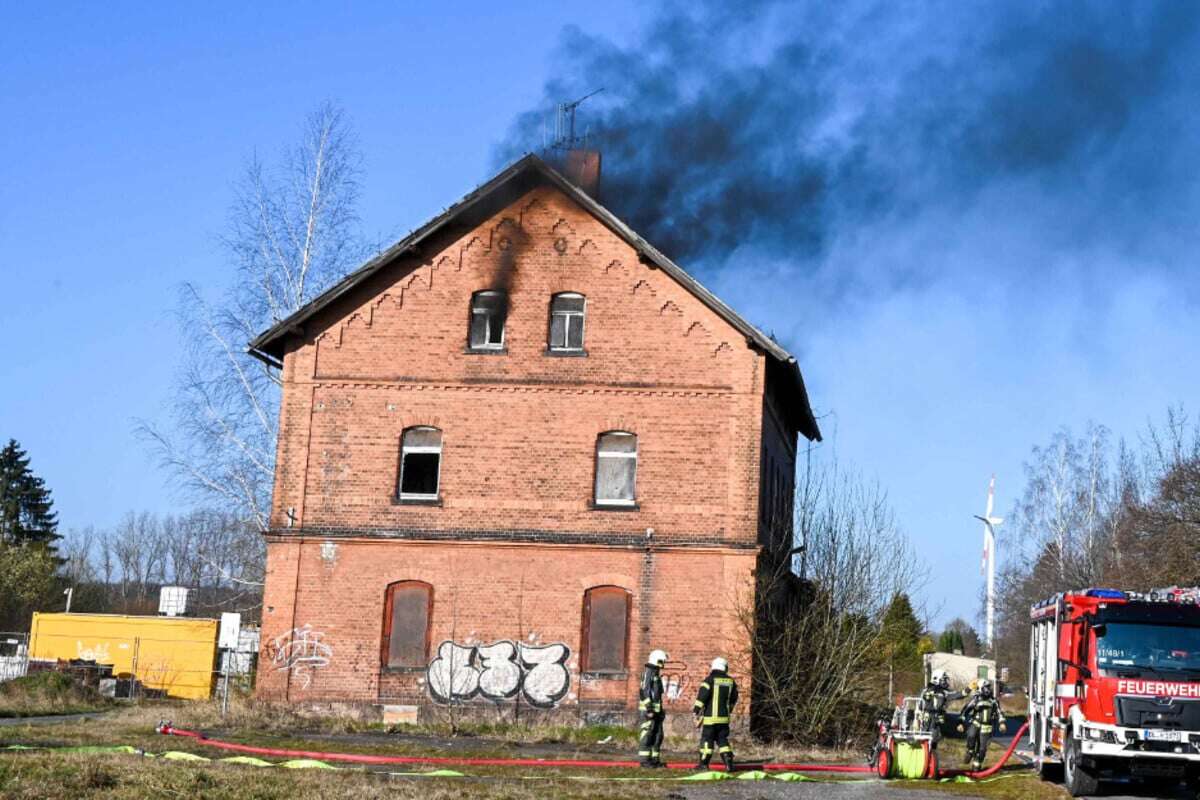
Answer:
(986, 226)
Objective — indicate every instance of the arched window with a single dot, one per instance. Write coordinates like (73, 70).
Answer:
(489, 310)
(420, 463)
(616, 469)
(566, 321)
(407, 610)
(605, 629)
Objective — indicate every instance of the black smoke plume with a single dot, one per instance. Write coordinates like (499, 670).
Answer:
(785, 127)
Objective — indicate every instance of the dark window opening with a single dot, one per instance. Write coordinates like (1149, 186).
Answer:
(420, 464)
(488, 313)
(616, 468)
(566, 321)
(605, 629)
(406, 616)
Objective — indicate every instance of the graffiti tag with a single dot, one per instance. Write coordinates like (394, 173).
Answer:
(675, 680)
(299, 650)
(498, 671)
(99, 653)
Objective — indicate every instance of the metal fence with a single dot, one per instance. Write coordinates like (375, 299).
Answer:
(14, 655)
(141, 667)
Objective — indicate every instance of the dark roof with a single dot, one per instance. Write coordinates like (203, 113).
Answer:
(513, 181)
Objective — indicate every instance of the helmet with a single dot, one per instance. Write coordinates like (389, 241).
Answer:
(940, 678)
(720, 665)
(657, 658)
(985, 689)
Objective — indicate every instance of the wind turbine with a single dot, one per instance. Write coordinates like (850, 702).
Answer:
(988, 565)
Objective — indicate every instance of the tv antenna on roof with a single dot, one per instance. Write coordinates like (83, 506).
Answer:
(564, 124)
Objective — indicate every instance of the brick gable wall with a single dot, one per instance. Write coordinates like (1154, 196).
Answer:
(515, 538)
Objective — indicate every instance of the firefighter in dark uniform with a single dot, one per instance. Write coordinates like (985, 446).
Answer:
(650, 704)
(980, 715)
(713, 707)
(934, 699)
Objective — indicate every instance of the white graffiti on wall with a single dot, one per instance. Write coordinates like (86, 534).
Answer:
(299, 650)
(97, 653)
(498, 671)
(675, 680)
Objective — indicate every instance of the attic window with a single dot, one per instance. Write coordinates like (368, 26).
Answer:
(488, 312)
(566, 321)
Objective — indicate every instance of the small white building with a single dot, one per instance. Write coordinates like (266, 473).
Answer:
(961, 669)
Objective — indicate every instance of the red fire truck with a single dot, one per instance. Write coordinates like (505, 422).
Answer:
(1114, 686)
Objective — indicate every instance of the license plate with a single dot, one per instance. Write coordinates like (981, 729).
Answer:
(1161, 736)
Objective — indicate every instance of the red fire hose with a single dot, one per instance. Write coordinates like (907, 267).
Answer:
(168, 729)
(994, 768)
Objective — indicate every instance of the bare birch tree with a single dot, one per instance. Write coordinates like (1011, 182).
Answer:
(855, 561)
(292, 231)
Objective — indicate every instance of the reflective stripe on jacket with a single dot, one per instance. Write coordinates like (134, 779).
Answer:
(981, 712)
(650, 692)
(715, 701)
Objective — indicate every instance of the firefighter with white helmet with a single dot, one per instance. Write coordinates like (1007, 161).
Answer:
(934, 700)
(713, 708)
(650, 703)
(980, 716)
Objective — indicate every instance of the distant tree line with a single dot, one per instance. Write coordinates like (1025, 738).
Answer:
(120, 569)
(216, 555)
(1095, 513)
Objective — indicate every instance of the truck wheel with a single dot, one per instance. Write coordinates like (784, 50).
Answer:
(1079, 781)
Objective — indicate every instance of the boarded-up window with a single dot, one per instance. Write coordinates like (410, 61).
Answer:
(616, 469)
(605, 629)
(420, 463)
(488, 312)
(406, 616)
(566, 321)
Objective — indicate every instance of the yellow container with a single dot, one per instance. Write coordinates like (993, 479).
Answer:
(175, 654)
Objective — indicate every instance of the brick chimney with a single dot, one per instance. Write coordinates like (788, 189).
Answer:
(582, 168)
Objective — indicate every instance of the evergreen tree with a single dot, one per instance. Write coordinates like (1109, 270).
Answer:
(951, 641)
(965, 637)
(26, 510)
(902, 642)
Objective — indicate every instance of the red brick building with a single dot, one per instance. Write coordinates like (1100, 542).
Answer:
(517, 451)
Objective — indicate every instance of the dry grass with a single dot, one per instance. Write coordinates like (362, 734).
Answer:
(1017, 703)
(44, 693)
(32, 776)
(66, 775)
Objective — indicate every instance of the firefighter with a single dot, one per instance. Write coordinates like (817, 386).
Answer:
(713, 707)
(650, 703)
(980, 715)
(934, 699)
